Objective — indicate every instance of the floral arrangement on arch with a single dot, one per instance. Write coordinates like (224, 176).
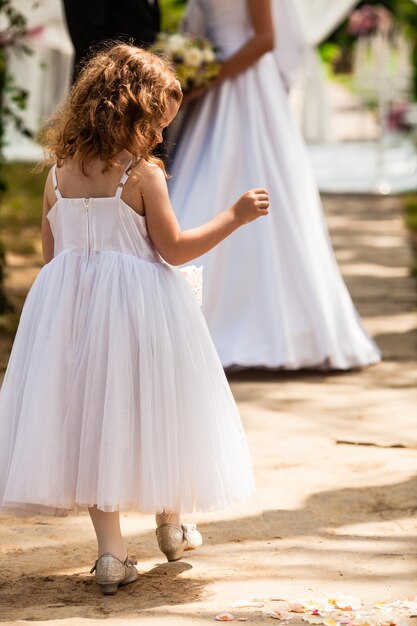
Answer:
(398, 117)
(402, 118)
(369, 20)
(194, 59)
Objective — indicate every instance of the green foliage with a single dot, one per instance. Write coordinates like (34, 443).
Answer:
(13, 100)
(5, 306)
(410, 206)
(21, 206)
(15, 23)
(329, 51)
(172, 12)
(20, 218)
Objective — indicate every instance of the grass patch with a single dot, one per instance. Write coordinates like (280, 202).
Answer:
(21, 207)
(410, 206)
(20, 231)
(9, 324)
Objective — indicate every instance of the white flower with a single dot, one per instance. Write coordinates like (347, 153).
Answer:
(193, 57)
(176, 42)
(182, 51)
(208, 55)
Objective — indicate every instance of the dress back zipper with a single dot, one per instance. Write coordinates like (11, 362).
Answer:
(87, 217)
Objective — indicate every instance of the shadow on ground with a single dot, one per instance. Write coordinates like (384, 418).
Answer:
(246, 539)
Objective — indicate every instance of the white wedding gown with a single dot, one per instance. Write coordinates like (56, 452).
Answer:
(273, 295)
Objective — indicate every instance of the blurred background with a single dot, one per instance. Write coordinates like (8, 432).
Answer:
(356, 107)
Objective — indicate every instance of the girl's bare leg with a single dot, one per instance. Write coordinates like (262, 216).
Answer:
(109, 536)
(173, 537)
(168, 517)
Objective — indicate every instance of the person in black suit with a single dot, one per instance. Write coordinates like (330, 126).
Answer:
(95, 21)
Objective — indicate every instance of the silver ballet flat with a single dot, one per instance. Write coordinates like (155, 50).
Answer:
(173, 540)
(112, 572)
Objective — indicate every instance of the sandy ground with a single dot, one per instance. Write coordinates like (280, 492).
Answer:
(336, 467)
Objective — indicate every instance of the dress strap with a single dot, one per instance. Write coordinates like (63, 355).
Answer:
(123, 179)
(55, 182)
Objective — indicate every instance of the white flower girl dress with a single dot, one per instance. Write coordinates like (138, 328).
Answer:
(114, 395)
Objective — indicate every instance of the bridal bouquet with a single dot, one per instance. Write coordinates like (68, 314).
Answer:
(194, 58)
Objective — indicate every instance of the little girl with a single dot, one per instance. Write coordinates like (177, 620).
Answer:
(114, 397)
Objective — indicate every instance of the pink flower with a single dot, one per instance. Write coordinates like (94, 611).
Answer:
(397, 117)
(370, 19)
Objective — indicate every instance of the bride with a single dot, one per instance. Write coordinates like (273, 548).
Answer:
(273, 295)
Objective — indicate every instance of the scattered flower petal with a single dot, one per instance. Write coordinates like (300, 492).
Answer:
(274, 614)
(242, 604)
(359, 620)
(328, 609)
(345, 603)
(388, 620)
(281, 605)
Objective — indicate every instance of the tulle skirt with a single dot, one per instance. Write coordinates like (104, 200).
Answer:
(115, 396)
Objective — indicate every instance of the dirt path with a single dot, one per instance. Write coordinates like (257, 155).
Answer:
(329, 515)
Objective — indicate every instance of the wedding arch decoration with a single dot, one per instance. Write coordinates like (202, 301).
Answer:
(383, 79)
(319, 18)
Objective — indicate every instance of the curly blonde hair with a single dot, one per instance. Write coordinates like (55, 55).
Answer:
(118, 102)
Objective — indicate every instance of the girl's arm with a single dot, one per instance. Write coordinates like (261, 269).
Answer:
(263, 41)
(178, 247)
(47, 236)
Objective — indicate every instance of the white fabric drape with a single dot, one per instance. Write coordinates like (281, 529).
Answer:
(46, 73)
(318, 19)
(292, 48)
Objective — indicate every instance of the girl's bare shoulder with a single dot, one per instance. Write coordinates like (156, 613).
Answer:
(147, 171)
(148, 177)
(145, 177)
